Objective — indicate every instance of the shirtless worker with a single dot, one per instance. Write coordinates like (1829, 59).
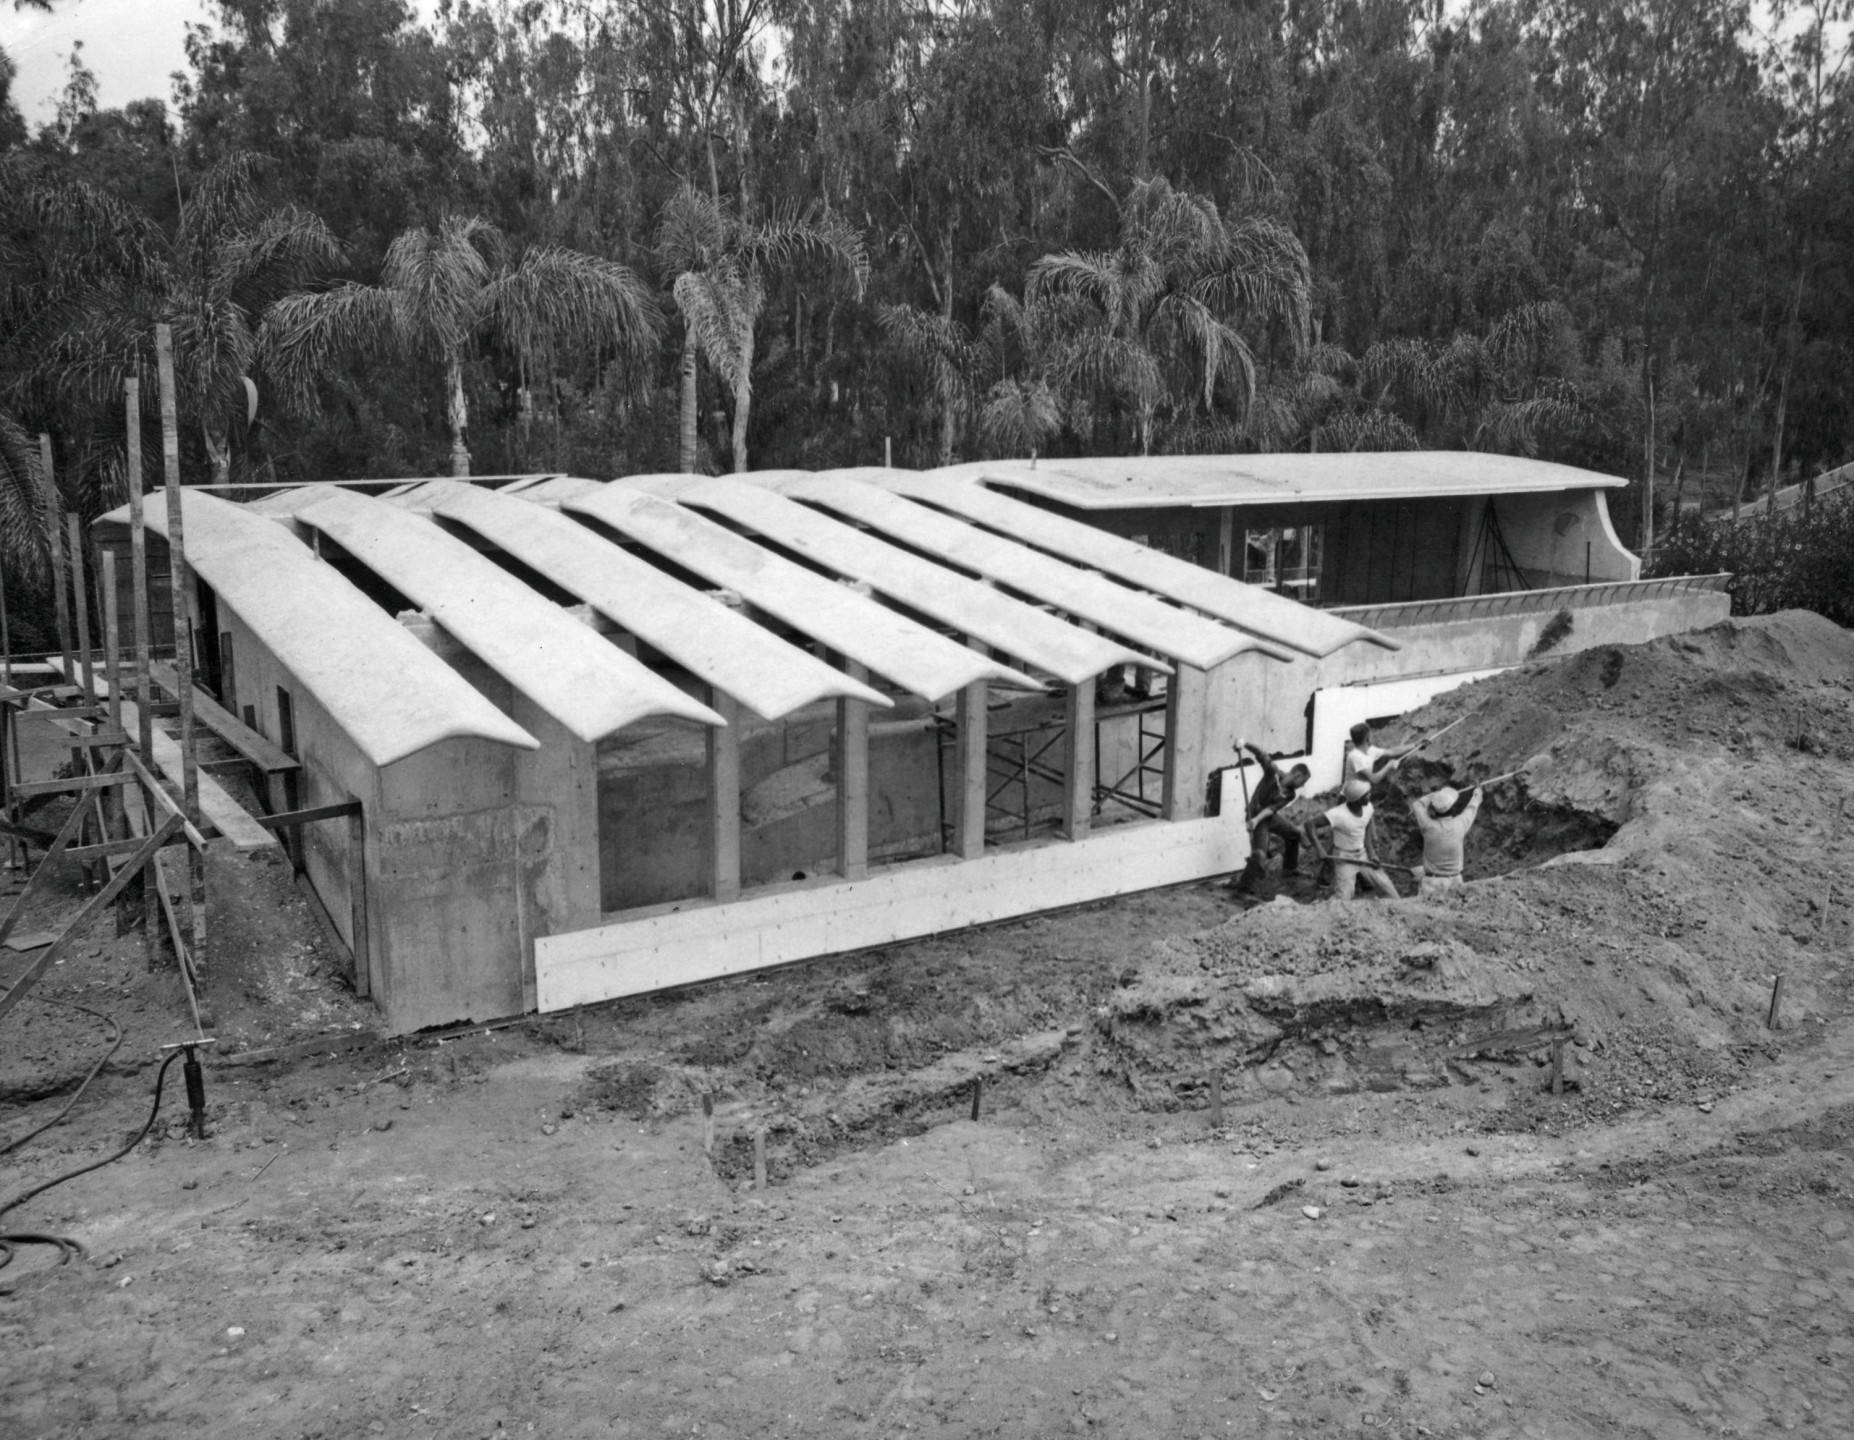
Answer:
(1373, 762)
(1277, 789)
(1444, 817)
(1350, 825)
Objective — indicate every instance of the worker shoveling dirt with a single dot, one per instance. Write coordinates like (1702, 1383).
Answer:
(1672, 840)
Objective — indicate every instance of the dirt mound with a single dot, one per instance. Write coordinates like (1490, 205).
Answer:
(1676, 837)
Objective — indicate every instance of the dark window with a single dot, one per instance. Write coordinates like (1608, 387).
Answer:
(1285, 558)
(286, 723)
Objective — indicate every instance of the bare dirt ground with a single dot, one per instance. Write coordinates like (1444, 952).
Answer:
(1397, 1229)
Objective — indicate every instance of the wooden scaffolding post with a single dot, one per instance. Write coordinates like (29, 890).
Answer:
(1078, 738)
(852, 769)
(144, 693)
(183, 659)
(80, 599)
(9, 770)
(54, 539)
(969, 837)
(723, 753)
(112, 640)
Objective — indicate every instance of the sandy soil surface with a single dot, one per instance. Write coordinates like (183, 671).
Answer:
(1397, 1229)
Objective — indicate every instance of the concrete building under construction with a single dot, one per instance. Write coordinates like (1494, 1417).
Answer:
(590, 740)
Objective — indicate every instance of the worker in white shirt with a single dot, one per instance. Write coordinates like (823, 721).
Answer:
(1349, 824)
(1373, 762)
(1444, 818)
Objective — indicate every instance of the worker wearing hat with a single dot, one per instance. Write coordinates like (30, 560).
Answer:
(1350, 826)
(1444, 817)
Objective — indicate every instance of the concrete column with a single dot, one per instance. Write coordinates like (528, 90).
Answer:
(1078, 738)
(1185, 722)
(723, 748)
(969, 836)
(852, 767)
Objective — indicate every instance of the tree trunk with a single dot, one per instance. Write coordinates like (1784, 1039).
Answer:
(1648, 462)
(1776, 445)
(219, 451)
(457, 415)
(743, 401)
(949, 397)
(685, 449)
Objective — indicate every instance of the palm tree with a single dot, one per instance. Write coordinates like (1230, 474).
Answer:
(719, 262)
(441, 290)
(939, 346)
(228, 257)
(1164, 306)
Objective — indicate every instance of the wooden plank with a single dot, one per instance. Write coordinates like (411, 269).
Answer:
(290, 818)
(76, 782)
(138, 585)
(165, 802)
(265, 754)
(723, 757)
(1078, 739)
(216, 805)
(969, 747)
(80, 596)
(705, 941)
(170, 877)
(104, 849)
(100, 901)
(852, 767)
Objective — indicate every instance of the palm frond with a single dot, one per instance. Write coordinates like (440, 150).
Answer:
(302, 336)
(819, 232)
(692, 232)
(1371, 429)
(712, 306)
(559, 297)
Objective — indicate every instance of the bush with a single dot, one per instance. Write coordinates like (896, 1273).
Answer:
(1788, 561)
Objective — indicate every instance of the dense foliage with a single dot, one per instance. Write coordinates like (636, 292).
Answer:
(1613, 232)
(1797, 559)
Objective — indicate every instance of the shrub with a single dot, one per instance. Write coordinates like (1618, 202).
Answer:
(1787, 561)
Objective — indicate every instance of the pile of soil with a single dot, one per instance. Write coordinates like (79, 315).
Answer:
(1679, 835)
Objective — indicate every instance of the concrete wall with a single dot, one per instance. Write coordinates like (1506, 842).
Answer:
(1551, 535)
(473, 849)
(1270, 702)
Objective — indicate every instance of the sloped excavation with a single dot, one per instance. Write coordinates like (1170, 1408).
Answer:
(1639, 885)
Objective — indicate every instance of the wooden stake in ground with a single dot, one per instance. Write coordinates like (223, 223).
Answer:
(144, 694)
(759, 1159)
(1774, 1020)
(708, 1123)
(54, 539)
(1216, 1099)
(183, 630)
(112, 640)
(80, 598)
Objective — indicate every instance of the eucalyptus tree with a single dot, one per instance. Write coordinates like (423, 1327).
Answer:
(720, 263)
(442, 291)
(1163, 313)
